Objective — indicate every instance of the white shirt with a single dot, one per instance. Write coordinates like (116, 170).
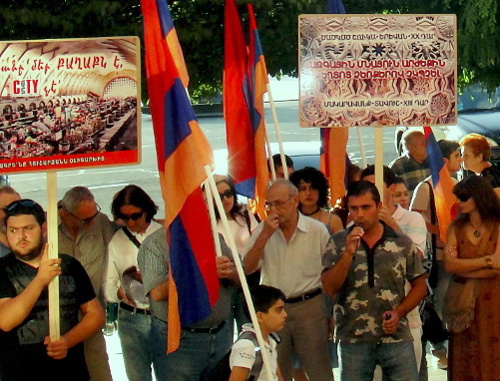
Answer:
(239, 231)
(243, 355)
(413, 225)
(122, 254)
(294, 267)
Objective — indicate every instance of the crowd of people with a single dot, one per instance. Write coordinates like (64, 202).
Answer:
(332, 285)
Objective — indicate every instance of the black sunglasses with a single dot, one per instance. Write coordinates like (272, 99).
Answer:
(133, 216)
(88, 220)
(227, 194)
(19, 204)
(463, 197)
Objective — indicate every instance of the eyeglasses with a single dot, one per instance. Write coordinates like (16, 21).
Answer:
(463, 197)
(88, 220)
(14, 206)
(133, 216)
(277, 204)
(227, 194)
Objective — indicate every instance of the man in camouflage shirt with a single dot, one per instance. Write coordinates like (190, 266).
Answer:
(366, 265)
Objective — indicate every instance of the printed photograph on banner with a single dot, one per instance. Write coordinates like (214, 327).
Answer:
(377, 70)
(69, 104)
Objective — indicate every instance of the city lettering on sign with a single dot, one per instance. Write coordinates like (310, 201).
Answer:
(69, 104)
(377, 70)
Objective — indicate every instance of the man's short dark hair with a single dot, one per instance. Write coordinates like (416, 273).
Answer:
(277, 161)
(389, 176)
(447, 147)
(360, 188)
(264, 297)
(25, 206)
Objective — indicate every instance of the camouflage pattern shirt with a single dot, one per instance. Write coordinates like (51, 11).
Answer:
(374, 284)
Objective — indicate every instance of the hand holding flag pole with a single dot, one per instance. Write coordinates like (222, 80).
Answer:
(239, 267)
(213, 219)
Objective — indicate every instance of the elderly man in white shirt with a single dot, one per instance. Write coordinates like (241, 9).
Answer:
(288, 248)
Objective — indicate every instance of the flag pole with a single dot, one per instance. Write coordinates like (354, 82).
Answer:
(270, 157)
(277, 129)
(241, 273)
(213, 219)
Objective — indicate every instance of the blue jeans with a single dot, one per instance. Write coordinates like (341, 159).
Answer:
(198, 353)
(158, 344)
(133, 330)
(397, 360)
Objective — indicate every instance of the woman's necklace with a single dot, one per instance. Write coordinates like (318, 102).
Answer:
(477, 233)
(310, 214)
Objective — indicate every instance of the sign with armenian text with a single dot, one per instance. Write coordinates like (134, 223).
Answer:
(68, 104)
(377, 70)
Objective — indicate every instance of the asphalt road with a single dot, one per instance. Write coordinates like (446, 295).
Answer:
(106, 181)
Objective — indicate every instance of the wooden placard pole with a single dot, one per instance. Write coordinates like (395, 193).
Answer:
(52, 239)
(239, 269)
(379, 160)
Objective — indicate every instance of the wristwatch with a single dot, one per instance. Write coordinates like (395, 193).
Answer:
(489, 261)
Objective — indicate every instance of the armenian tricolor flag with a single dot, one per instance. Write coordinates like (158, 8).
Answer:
(183, 152)
(443, 185)
(245, 78)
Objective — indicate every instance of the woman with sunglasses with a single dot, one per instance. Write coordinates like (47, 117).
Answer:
(472, 253)
(242, 223)
(123, 281)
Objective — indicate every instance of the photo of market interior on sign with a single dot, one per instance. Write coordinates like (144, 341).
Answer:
(67, 104)
(377, 70)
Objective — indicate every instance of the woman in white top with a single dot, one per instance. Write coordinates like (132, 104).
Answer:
(241, 223)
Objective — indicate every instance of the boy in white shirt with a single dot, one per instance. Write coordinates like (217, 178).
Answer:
(245, 361)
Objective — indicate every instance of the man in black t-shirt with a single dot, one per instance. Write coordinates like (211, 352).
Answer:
(26, 352)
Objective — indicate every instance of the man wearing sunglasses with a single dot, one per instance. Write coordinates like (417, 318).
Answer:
(84, 233)
(26, 351)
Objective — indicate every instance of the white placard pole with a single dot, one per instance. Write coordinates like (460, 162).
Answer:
(277, 129)
(379, 160)
(52, 239)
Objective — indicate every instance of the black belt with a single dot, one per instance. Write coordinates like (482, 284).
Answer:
(306, 296)
(135, 310)
(214, 329)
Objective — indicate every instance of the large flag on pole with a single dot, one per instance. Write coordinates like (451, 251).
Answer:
(258, 87)
(443, 185)
(244, 82)
(182, 152)
(334, 140)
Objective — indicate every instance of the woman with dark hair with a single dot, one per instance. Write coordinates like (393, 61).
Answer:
(242, 223)
(123, 281)
(313, 197)
(472, 255)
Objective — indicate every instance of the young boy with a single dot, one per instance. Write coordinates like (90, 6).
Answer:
(269, 305)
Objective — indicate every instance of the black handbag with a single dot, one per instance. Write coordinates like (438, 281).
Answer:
(432, 326)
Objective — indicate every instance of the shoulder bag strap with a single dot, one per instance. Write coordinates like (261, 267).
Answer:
(432, 206)
(131, 237)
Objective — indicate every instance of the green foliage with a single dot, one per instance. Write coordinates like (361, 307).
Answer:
(200, 26)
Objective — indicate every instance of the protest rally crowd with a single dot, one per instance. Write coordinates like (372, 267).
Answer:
(332, 285)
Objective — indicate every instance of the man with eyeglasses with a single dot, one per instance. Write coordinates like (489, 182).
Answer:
(26, 351)
(288, 247)
(84, 233)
